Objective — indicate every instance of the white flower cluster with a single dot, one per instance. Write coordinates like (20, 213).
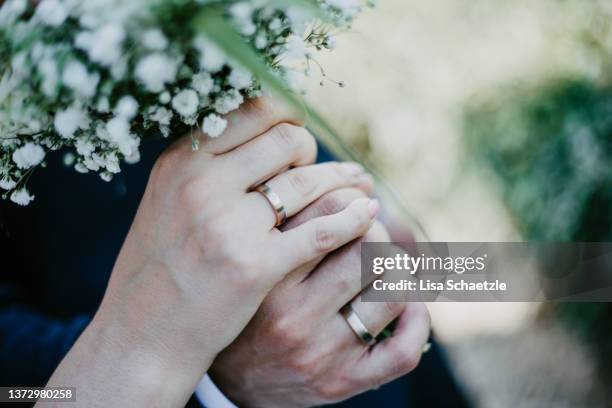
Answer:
(98, 76)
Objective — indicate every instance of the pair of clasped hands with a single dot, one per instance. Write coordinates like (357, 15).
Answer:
(206, 281)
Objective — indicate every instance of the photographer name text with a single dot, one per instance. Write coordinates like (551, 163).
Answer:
(447, 266)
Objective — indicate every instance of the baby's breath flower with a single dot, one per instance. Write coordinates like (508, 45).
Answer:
(84, 146)
(185, 103)
(51, 12)
(164, 97)
(155, 71)
(94, 77)
(104, 44)
(77, 78)
(106, 176)
(103, 105)
(275, 25)
(347, 7)
(242, 14)
(296, 48)
(50, 75)
(214, 125)
(240, 78)
(81, 168)
(161, 115)
(21, 197)
(203, 83)
(154, 40)
(212, 59)
(29, 155)
(7, 183)
(229, 101)
(68, 121)
(127, 107)
(261, 41)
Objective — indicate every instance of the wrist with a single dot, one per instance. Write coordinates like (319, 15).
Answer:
(155, 316)
(232, 386)
(158, 364)
(133, 368)
(155, 329)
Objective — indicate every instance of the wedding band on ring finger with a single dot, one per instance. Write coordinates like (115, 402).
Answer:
(275, 202)
(376, 316)
(357, 326)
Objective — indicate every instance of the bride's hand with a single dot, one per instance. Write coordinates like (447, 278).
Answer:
(203, 252)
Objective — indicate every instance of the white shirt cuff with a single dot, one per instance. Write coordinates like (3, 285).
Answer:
(210, 396)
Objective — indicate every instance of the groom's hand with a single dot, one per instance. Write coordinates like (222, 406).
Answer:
(299, 351)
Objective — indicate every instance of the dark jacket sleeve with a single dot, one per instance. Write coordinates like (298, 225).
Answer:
(32, 344)
(33, 340)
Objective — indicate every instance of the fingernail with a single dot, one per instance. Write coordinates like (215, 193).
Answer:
(373, 208)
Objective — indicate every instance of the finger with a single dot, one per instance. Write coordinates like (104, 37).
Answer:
(301, 186)
(338, 279)
(399, 354)
(330, 203)
(323, 235)
(271, 153)
(253, 118)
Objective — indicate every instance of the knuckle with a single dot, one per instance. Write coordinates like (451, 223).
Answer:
(271, 111)
(309, 145)
(296, 141)
(245, 270)
(192, 193)
(166, 163)
(301, 183)
(345, 282)
(262, 108)
(287, 137)
(285, 333)
(304, 364)
(336, 201)
(324, 239)
(249, 278)
(244, 274)
(331, 204)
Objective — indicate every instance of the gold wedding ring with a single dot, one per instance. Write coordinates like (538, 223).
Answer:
(275, 202)
(357, 326)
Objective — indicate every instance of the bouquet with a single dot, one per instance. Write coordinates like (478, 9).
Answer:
(96, 77)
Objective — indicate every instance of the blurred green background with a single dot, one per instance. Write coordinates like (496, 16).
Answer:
(493, 120)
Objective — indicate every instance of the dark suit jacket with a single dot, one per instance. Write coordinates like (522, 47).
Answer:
(56, 258)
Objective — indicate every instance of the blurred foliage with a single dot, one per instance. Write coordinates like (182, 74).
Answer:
(550, 148)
